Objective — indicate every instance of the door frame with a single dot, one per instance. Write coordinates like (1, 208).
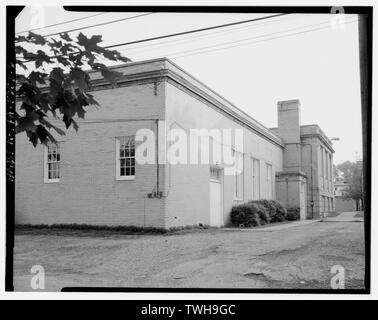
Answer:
(221, 182)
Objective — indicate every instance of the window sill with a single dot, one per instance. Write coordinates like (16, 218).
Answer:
(120, 178)
(52, 181)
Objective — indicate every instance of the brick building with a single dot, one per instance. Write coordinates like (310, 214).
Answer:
(92, 176)
(307, 158)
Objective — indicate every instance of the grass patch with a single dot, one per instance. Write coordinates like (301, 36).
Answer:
(99, 230)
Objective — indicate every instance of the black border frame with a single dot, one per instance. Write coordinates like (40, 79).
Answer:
(11, 14)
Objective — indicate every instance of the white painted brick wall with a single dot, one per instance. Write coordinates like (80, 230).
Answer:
(88, 192)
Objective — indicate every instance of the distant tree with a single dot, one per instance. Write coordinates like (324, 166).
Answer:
(347, 168)
(66, 83)
(336, 172)
(355, 190)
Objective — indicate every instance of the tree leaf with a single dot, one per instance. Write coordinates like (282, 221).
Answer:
(21, 64)
(20, 39)
(64, 61)
(114, 55)
(67, 120)
(55, 44)
(65, 36)
(57, 74)
(33, 138)
(19, 50)
(67, 48)
(25, 123)
(37, 77)
(36, 38)
(81, 78)
(29, 91)
(49, 125)
(90, 44)
(40, 58)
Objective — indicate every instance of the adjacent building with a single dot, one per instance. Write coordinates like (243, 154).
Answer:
(308, 163)
(342, 204)
(94, 176)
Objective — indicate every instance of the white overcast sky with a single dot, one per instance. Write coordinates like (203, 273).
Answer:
(262, 64)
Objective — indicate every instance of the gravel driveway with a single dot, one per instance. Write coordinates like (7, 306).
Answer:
(296, 257)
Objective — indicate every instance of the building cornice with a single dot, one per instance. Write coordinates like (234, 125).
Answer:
(184, 81)
(282, 174)
(321, 137)
(165, 71)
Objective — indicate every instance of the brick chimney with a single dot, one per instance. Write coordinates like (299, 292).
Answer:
(289, 130)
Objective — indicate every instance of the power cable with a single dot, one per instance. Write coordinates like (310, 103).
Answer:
(248, 43)
(99, 24)
(64, 22)
(174, 34)
(193, 31)
(213, 34)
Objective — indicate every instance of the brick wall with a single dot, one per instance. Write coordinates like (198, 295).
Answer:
(88, 191)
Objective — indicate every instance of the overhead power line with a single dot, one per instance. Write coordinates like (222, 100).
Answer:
(232, 42)
(256, 37)
(99, 24)
(207, 35)
(253, 42)
(181, 54)
(176, 34)
(193, 31)
(64, 22)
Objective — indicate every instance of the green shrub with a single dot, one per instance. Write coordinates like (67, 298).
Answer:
(246, 215)
(280, 213)
(263, 213)
(293, 213)
(275, 209)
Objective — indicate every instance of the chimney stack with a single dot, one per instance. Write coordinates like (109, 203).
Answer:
(289, 130)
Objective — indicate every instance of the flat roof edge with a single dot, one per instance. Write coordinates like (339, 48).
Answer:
(241, 115)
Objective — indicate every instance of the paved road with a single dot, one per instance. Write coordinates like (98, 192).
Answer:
(297, 257)
(354, 216)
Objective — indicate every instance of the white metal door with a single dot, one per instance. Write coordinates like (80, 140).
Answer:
(215, 204)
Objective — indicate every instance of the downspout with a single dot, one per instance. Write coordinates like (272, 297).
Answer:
(157, 160)
(312, 186)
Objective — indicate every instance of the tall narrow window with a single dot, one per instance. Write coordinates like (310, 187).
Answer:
(125, 158)
(238, 179)
(269, 181)
(256, 179)
(52, 162)
(322, 168)
(326, 158)
(330, 171)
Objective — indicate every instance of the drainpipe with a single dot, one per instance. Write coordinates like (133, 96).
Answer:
(157, 160)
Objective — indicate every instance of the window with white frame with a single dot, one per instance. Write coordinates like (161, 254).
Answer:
(238, 178)
(255, 179)
(269, 181)
(52, 162)
(125, 165)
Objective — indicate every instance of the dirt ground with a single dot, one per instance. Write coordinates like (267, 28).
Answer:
(296, 257)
